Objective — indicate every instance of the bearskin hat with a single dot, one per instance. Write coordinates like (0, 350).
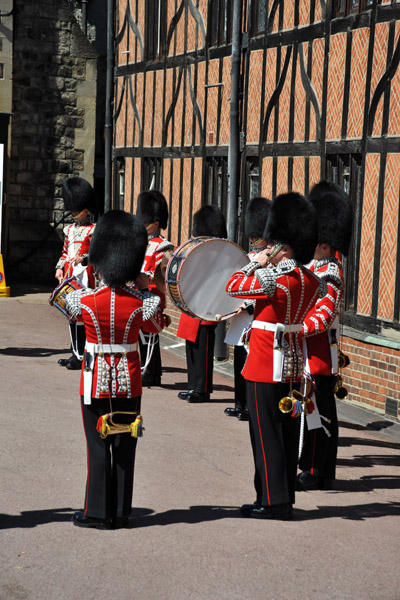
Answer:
(256, 216)
(78, 194)
(118, 247)
(334, 214)
(209, 221)
(292, 220)
(151, 207)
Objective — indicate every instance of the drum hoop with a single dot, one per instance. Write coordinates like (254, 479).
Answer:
(201, 240)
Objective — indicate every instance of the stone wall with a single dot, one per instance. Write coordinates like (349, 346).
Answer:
(53, 132)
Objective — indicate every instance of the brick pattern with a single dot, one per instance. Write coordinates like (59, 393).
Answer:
(282, 179)
(158, 109)
(120, 126)
(368, 234)
(378, 69)
(317, 80)
(169, 91)
(394, 114)
(337, 61)
(387, 278)
(288, 15)
(357, 83)
(372, 376)
(300, 101)
(270, 85)
(254, 97)
(128, 186)
(284, 99)
(314, 169)
(224, 115)
(266, 177)
(304, 13)
(298, 184)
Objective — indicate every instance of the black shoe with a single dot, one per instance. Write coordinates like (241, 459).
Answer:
(64, 361)
(80, 520)
(150, 381)
(306, 482)
(246, 509)
(120, 522)
(232, 412)
(281, 512)
(197, 397)
(74, 364)
(184, 395)
(244, 416)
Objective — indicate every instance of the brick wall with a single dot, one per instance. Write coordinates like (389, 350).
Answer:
(373, 376)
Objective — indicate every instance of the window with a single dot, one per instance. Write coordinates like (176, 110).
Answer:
(220, 22)
(156, 29)
(217, 182)
(258, 16)
(151, 174)
(342, 8)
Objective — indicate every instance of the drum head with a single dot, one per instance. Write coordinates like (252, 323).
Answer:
(205, 274)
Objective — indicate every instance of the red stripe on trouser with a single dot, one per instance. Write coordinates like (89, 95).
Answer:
(262, 444)
(206, 386)
(88, 465)
(313, 454)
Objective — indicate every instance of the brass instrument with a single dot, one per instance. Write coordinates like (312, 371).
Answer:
(292, 403)
(343, 360)
(340, 391)
(106, 425)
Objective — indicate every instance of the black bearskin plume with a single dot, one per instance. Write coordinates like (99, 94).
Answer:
(118, 247)
(151, 207)
(209, 221)
(334, 214)
(292, 220)
(78, 194)
(256, 217)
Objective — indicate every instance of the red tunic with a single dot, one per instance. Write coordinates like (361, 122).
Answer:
(155, 251)
(321, 317)
(76, 243)
(284, 294)
(114, 315)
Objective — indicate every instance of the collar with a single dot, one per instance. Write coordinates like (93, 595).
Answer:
(88, 220)
(155, 234)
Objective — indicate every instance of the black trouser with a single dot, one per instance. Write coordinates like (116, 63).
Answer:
(275, 442)
(154, 368)
(78, 339)
(320, 451)
(110, 461)
(200, 360)
(239, 358)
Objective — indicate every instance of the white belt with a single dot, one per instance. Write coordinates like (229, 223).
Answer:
(276, 326)
(110, 348)
(279, 353)
(93, 349)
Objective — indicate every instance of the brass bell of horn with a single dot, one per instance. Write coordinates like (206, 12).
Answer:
(286, 404)
(343, 360)
(340, 391)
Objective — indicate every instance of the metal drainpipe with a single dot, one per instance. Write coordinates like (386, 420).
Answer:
(109, 104)
(234, 139)
(220, 348)
(84, 16)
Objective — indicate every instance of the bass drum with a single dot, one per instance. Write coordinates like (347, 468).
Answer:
(197, 274)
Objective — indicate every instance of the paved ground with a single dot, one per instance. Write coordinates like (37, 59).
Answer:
(194, 468)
